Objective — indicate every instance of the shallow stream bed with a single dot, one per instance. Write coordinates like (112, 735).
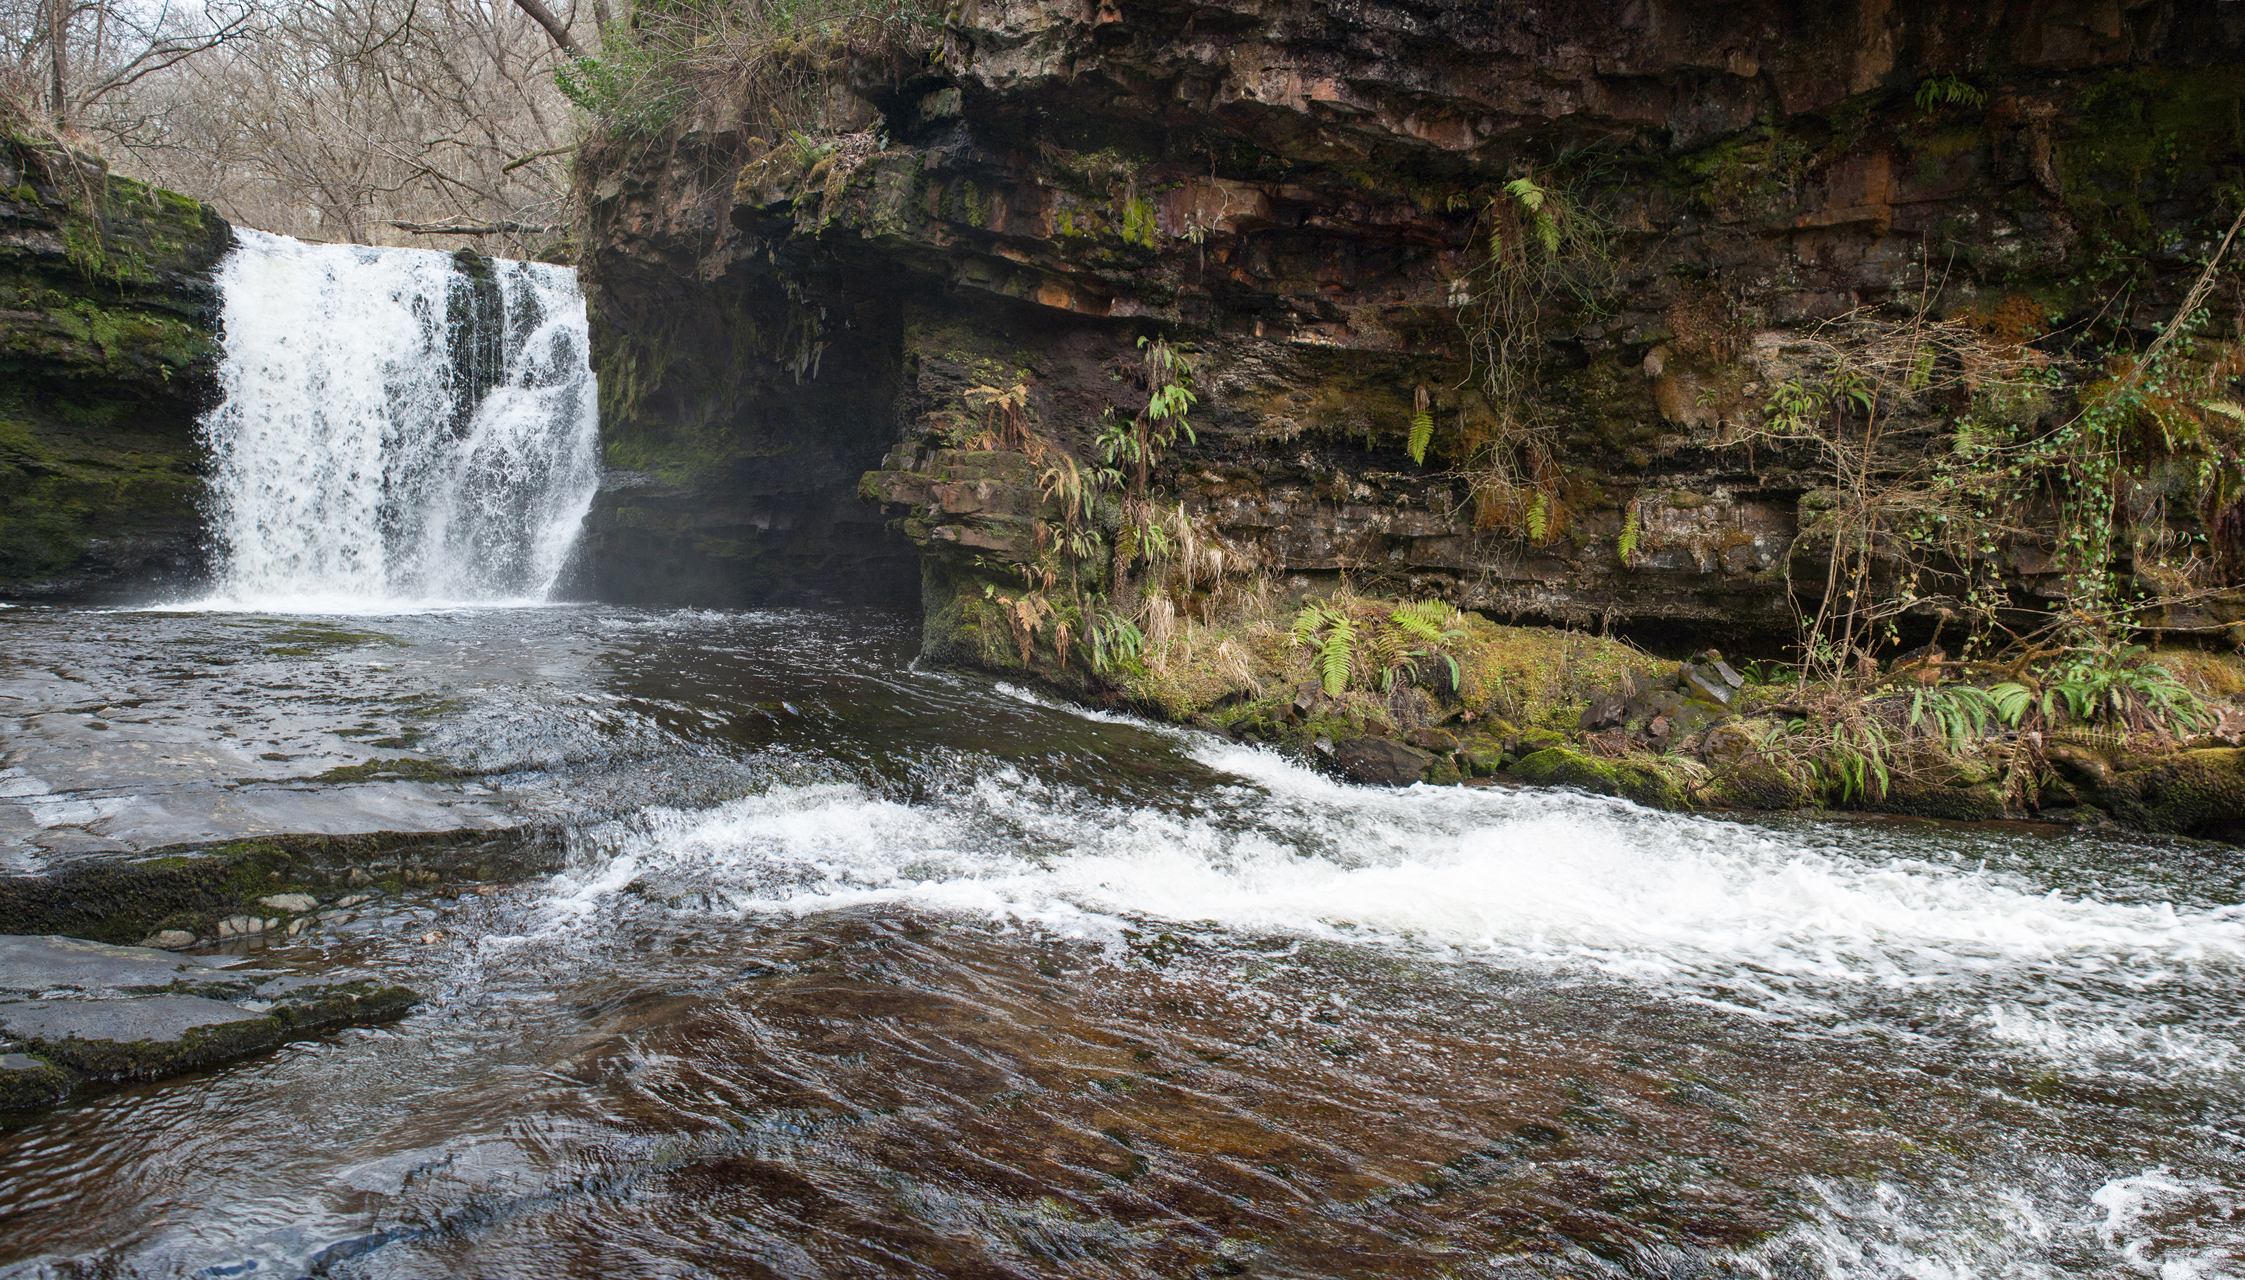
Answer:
(861, 970)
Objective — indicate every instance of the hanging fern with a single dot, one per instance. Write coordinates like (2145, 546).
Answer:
(1422, 424)
(1539, 518)
(1532, 199)
(1334, 656)
(1630, 532)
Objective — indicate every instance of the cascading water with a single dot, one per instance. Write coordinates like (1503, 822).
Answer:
(396, 430)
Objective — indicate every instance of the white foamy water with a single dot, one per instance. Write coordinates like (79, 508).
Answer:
(1750, 917)
(389, 440)
(1805, 927)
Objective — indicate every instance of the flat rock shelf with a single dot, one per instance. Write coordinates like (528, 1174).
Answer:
(75, 1013)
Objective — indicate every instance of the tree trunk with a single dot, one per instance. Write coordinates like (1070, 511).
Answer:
(543, 16)
(58, 41)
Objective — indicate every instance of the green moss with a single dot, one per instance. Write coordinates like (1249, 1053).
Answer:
(194, 887)
(1955, 798)
(2193, 793)
(2139, 135)
(312, 639)
(969, 205)
(1644, 781)
(405, 768)
(1755, 784)
(1139, 225)
(103, 358)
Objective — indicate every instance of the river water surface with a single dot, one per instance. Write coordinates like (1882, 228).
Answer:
(861, 970)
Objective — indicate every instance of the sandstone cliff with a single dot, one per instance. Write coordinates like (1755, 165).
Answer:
(1300, 190)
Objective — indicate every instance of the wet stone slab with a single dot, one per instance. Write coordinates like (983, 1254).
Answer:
(75, 1013)
(153, 1019)
(126, 734)
(42, 965)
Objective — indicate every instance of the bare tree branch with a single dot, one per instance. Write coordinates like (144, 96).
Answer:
(553, 25)
(475, 229)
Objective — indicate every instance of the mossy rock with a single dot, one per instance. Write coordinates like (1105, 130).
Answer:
(194, 887)
(1957, 797)
(2190, 793)
(1757, 785)
(1482, 756)
(1444, 772)
(1642, 781)
(28, 1081)
(1530, 741)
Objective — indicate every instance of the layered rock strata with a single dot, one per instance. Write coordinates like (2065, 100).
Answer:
(75, 1013)
(1301, 192)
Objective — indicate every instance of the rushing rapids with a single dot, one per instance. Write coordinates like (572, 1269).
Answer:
(859, 969)
(395, 429)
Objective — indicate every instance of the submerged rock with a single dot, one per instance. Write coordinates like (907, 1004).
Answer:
(89, 1013)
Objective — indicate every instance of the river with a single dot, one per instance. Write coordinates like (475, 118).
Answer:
(858, 969)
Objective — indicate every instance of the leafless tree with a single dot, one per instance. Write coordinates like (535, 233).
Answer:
(84, 52)
(379, 121)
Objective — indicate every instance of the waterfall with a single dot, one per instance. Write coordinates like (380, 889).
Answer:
(397, 428)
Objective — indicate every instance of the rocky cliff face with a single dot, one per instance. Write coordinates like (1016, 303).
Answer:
(970, 252)
(108, 322)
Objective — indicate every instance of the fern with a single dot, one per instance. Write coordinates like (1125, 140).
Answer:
(1957, 714)
(2011, 702)
(1383, 651)
(1630, 531)
(1534, 201)
(1941, 91)
(1334, 656)
(1429, 620)
(1539, 516)
(1422, 432)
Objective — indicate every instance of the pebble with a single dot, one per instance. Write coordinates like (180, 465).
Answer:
(240, 926)
(297, 902)
(170, 939)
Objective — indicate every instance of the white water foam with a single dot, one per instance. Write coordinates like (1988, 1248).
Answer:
(385, 442)
(2047, 1223)
(1783, 925)
(1753, 918)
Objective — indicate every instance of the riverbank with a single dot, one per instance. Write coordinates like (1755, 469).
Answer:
(1391, 692)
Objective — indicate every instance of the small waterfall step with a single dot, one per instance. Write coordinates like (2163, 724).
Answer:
(398, 427)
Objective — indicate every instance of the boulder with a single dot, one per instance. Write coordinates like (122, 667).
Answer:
(1380, 762)
(1429, 738)
(1643, 781)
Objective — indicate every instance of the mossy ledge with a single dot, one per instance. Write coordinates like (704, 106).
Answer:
(1498, 704)
(191, 889)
